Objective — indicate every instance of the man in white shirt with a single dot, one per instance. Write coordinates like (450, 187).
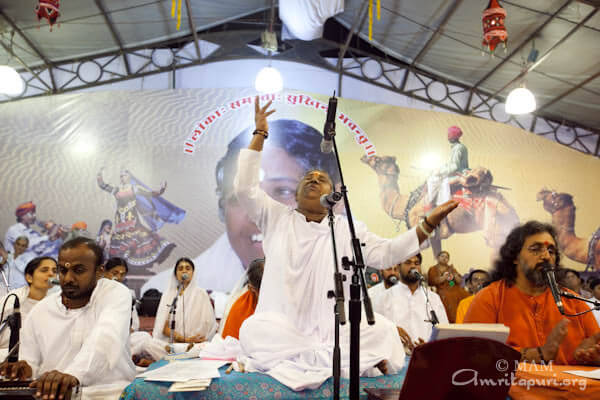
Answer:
(290, 336)
(379, 293)
(78, 336)
(409, 305)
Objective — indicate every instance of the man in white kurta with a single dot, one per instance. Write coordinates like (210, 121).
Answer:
(379, 293)
(291, 334)
(90, 343)
(409, 303)
(82, 332)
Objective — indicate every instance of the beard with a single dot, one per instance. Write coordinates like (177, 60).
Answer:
(409, 278)
(534, 275)
(73, 293)
(391, 280)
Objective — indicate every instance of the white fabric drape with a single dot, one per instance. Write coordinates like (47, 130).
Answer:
(194, 313)
(305, 19)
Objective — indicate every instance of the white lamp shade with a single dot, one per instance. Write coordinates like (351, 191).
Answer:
(11, 83)
(268, 80)
(520, 101)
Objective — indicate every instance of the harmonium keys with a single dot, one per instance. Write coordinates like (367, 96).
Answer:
(20, 390)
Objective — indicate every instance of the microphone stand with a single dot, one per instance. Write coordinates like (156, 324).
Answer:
(575, 297)
(338, 309)
(358, 280)
(172, 311)
(433, 317)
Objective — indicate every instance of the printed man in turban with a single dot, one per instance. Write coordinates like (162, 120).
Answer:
(438, 184)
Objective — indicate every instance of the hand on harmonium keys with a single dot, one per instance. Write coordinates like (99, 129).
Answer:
(17, 371)
(51, 385)
(55, 385)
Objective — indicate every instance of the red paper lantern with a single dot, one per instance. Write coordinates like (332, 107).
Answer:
(48, 9)
(494, 31)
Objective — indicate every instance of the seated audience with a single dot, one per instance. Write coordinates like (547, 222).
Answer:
(116, 269)
(476, 280)
(519, 297)
(195, 320)
(446, 280)
(37, 274)
(379, 293)
(80, 335)
(409, 306)
(245, 304)
(595, 288)
(571, 279)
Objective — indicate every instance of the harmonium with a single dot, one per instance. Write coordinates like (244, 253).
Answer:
(20, 390)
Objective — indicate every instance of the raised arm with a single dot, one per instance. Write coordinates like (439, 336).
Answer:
(385, 252)
(102, 185)
(246, 185)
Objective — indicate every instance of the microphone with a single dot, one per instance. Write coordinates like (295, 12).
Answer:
(329, 200)
(53, 282)
(15, 327)
(549, 273)
(329, 127)
(417, 275)
(184, 278)
(393, 279)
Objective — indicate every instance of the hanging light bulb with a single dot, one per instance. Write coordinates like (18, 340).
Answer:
(268, 80)
(11, 83)
(520, 101)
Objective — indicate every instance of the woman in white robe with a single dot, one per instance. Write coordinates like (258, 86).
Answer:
(37, 274)
(195, 320)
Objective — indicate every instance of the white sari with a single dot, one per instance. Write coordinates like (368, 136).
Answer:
(194, 312)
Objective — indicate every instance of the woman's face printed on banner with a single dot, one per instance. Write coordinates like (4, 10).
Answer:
(280, 174)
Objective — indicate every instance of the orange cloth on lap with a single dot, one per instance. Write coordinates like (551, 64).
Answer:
(243, 307)
(531, 318)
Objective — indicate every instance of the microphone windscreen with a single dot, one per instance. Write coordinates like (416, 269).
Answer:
(393, 279)
(185, 277)
(53, 281)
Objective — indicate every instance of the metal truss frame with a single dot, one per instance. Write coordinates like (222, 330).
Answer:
(391, 74)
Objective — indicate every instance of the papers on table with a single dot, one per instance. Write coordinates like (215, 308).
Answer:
(185, 371)
(593, 374)
(195, 385)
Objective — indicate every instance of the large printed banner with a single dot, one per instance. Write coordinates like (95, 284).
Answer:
(149, 175)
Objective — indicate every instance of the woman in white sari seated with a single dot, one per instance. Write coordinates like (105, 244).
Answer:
(195, 320)
(37, 274)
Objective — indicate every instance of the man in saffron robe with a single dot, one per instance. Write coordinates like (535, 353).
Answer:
(520, 298)
(245, 304)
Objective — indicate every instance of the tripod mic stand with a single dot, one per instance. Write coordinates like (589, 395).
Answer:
(338, 309)
(358, 279)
